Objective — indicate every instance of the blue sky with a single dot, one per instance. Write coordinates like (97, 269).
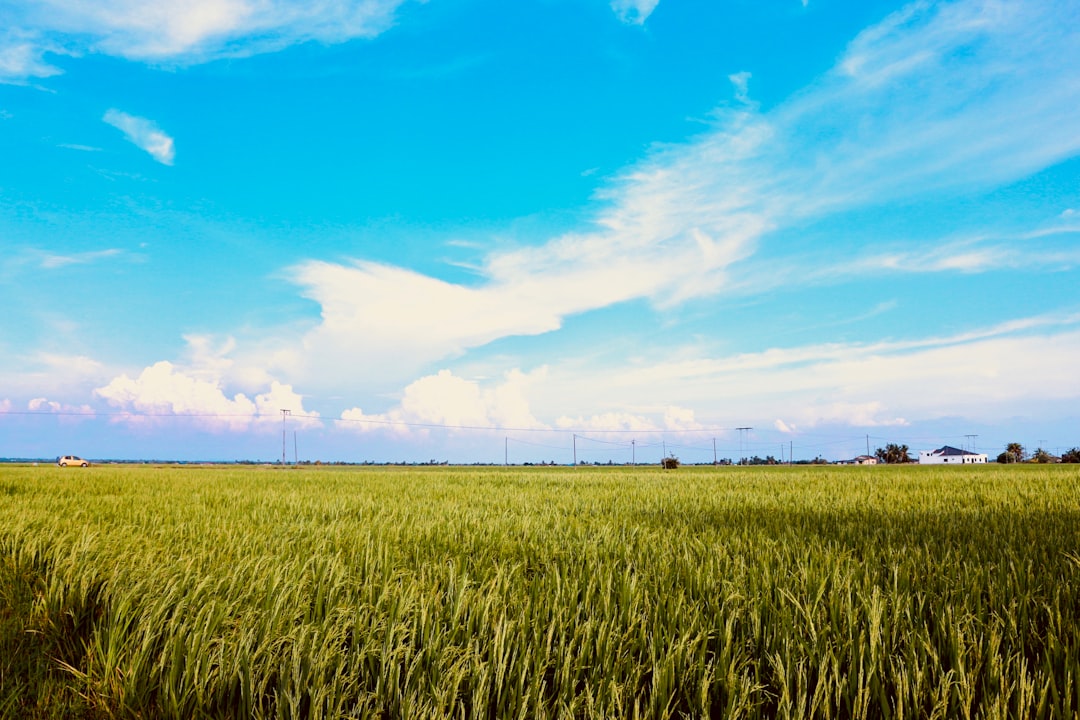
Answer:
(635, 221)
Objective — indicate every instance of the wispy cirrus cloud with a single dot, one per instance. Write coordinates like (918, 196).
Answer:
(179, 32)
(975, 254)
(51, 261)
(634, 12)
(22, 56)
(982, 373)
(144, 134)
(80, 148)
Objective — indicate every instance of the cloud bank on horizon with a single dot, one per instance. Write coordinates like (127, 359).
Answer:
(935, 108)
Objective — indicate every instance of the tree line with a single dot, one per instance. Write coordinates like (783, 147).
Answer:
(895, 454)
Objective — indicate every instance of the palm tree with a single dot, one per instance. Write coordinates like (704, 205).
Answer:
(1015, 451)
(893, 454)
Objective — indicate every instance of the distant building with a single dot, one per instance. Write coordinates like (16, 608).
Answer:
(949, 455)
(861, 460)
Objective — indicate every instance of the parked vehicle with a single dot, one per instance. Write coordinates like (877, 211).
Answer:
(69, 460)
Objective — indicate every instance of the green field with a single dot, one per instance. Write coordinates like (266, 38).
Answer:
(146, 592)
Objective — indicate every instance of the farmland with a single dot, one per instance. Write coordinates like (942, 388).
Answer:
(221, 592)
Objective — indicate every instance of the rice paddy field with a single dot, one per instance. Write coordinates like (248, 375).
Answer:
(318, 592)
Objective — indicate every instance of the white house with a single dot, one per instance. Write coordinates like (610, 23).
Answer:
(861, 460)
(949, 455)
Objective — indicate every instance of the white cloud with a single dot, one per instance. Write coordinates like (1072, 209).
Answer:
(613, 424)
(393, 321)
(607, 422)
(446, 400)
(741, 82)
(70, 364)
(177, 31)
(50, 374)
(70, 413)
(144, 134)
(783, 427)
(21, 57)
(981, 374)
(50, 261)
(634, 12)
(164, 390)
(938, 98)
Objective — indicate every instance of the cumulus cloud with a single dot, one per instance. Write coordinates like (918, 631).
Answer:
(673, 419)
(45, 405)
(176, 31)
(144, 134)
(68, 413)
(634, 12)
(446, 400)
(162, 390)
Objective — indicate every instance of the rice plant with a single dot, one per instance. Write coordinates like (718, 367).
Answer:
(146, 592)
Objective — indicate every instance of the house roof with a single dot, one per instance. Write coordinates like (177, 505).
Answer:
(950, 450)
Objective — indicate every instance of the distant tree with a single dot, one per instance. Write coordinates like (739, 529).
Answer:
(893, 454)
(1014, 453)
(670, 463)
(1042, 456)
(1071, 456)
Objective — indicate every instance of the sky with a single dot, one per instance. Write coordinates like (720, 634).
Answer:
(480, 231)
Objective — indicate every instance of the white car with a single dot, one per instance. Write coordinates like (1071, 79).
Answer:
(69, 460)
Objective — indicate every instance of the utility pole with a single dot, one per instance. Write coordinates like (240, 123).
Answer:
(284, 414)
(714, 451)
(742, 439)
(575, 449)
(971, 439)
(506, 451)
(633, 453)
(295, 453)
(868, 446)
(790, 450)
